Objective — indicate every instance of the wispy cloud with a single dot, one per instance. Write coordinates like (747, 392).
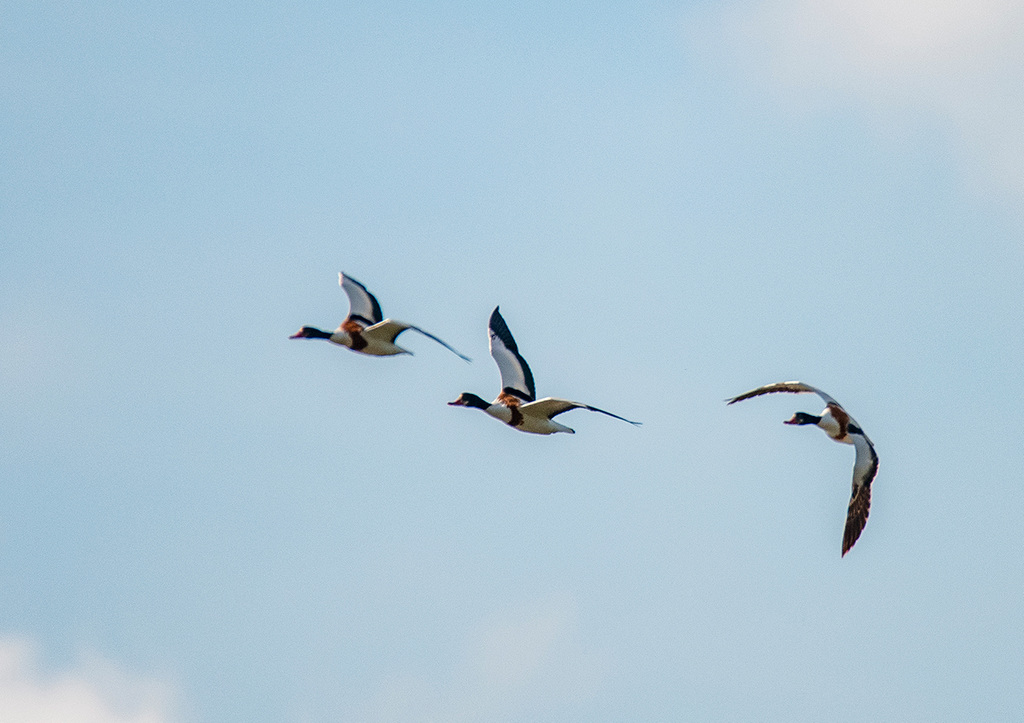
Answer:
(94, 691)
(518, 660)
(953, 60)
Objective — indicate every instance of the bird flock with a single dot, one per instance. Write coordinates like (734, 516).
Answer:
(366, 331)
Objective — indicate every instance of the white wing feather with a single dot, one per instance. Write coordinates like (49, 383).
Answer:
(389, 329)
(363, 305)
(515, 372)
(552, 406)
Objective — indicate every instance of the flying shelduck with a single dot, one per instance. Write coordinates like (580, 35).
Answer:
(841, 427)
(517, 404)
(365, 330)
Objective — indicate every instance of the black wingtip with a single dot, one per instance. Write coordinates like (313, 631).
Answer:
(500, 328)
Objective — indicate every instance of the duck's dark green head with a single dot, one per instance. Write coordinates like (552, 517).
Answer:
(468, 399)
(309, 332)
(803, 418)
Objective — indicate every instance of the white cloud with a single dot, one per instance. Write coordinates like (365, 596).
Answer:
(94, 691)
(895, 41)
(517, 661)
(960, 62)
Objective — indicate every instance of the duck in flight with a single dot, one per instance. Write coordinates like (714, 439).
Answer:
(364, 329)
(841, 427)
(517, 404)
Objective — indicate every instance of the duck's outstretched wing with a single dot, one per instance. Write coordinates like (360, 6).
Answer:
(865, 467)
(516, 377)
(791, 387)
(552, 407)
(389, 329)
(363, 306)
(842, 417)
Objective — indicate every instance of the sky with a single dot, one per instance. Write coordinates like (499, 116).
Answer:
(673, 203)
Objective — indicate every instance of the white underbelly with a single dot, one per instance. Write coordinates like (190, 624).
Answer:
(500, 412)
(374, 347)
(383, 348)
(530, 424)
(831, 427)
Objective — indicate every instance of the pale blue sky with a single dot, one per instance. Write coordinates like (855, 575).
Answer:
(672, 203)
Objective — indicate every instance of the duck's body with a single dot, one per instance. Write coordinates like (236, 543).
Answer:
(841, 427)
(517, 404)
(533, 417)
(375, 340)
(364, 329)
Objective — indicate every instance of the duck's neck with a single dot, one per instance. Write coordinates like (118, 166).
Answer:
(472, 400)
(314, 333)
